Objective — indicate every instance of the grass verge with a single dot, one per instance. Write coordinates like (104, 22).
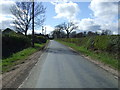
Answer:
(103, 57)
(18, 57)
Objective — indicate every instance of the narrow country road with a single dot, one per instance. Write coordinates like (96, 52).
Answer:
(60, 67)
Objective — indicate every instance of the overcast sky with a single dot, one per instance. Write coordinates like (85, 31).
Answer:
(92, 15)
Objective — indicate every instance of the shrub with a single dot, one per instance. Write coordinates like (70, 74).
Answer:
(12, 43)
(101, 42)
(107, 43)
(38, 39)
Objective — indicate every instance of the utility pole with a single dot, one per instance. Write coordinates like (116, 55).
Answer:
(45, 30)
(42, 30)
(33, 24)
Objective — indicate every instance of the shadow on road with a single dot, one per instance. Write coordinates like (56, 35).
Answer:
(60, 51)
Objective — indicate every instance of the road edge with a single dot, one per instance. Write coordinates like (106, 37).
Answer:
(98, 63)
(18, 76)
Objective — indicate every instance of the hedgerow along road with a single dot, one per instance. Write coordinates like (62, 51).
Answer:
(60, 67)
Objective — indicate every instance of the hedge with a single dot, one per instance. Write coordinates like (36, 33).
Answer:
(38, 39)
(107, 43)
(12, 43)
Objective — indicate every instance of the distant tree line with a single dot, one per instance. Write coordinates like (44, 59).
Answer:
(60, 30)
(90, 33)
(68, 30)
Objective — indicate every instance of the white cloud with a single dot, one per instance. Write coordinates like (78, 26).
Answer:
(5, 7)
(105, 13)
(49, 29)
(67, 10)
(6, 17)
(88, 24)
(6, 24)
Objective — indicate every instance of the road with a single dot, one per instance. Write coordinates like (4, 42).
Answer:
(60, 67)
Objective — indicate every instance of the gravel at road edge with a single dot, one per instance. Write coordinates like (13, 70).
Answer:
(15, 77)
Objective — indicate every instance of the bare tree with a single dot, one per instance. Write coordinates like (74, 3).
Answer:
(69, 27)
(23, 15)
(54, 34)
(58, 29)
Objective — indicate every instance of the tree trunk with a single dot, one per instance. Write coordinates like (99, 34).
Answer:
(25, 33)
(33, 24)
(26, 30)
(59, 34)
(68, 34)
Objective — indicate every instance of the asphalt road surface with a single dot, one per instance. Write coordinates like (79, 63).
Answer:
(60, 67)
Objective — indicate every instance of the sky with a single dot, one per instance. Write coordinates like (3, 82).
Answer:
(88, 16)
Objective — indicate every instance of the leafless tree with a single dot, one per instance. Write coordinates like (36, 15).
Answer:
(69, 27)
(23, 15)
(58, 29)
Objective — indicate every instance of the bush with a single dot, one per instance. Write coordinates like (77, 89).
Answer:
(38, 39)
(101, 42)
(107, 43)
(12, 43)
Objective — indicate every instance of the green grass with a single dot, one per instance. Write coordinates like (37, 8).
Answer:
(19, 57)
(104, 57)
